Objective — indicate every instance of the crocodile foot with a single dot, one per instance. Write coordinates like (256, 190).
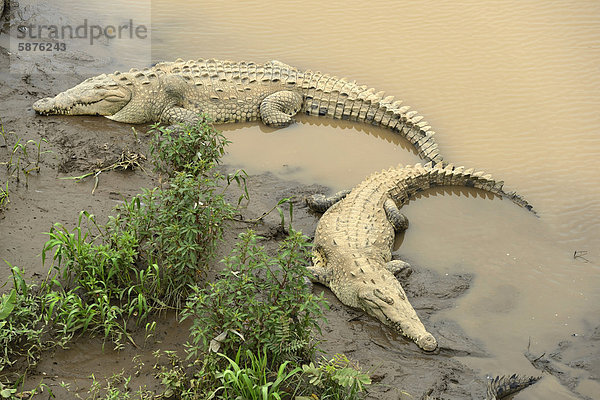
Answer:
(401, 269)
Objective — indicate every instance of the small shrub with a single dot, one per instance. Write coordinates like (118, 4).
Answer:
(21, 323)
(254, 380)
(337, 378)
(187, 147)
(173, 377)
(179, 227)
(95, 287)
(186, 229)
(259, 302)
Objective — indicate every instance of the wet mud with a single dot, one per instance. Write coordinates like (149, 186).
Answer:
(571, 360)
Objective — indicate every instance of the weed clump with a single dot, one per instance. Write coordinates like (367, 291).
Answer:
(189, 148)
(21, 323)
(21, 159)
(147, 255)
(259, 303)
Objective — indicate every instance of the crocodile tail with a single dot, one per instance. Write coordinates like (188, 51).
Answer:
(416, 178)
(502, 386)
(338, 98)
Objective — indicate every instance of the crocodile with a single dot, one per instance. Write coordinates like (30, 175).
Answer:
(354, 237)
(227, 91)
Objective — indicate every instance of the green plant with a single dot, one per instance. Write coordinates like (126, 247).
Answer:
(3, 133)
(254, 381)
(21, 325)
(6, 392)
(177, 231)
(10, 167)
(116, 387)
(32, 166)
(259, 302)
(239, 177)
(172, 376)
(20, 155)
(95, 287)
(280, 212)
(19, 160)
(39, 151)
(337, 378)
(143, 260)
(13, 393)
(7, 304)
(186, 148)
(4, 197)
(179, 226)
(186, 226)
(147, 255)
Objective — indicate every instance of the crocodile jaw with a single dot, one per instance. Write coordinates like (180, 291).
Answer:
(392, 308)
(96, 96)
(422, 338)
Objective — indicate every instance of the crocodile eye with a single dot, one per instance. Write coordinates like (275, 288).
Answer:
(380, 295)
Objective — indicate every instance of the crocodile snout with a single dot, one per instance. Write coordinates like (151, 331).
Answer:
(43, 106)
(427, 342)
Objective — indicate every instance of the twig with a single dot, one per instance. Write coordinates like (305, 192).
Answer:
(580, 254)
(280, 202)
(127, 160)
(96, 181)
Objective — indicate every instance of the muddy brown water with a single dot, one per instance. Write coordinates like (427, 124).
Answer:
(510, 87)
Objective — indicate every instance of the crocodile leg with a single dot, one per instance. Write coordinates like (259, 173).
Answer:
(320, 273)
(277, 109)
(401, 269)
(321, 203)
(176, 115)
(396, 218)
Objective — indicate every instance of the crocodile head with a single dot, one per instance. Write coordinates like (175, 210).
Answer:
(100, 95)
(388, 303)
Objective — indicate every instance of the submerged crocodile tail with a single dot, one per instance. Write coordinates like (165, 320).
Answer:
(502, 386)
(420, 177)
(338, 98)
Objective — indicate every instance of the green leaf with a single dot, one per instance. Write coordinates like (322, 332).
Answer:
(8, 304)
(7, 393)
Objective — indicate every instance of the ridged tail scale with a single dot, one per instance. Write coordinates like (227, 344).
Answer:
(503, 386)
(420, 177)
(339, 98)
